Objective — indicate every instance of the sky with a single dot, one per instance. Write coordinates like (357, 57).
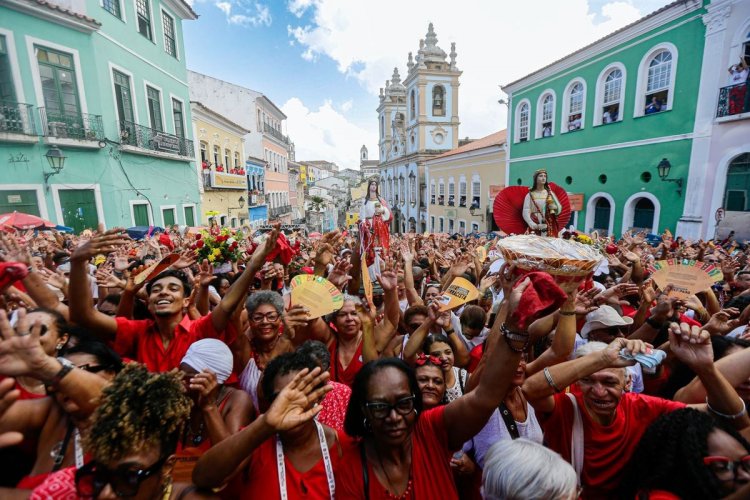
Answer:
(323, 61)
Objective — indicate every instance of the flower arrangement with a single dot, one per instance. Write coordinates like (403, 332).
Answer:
(579, 237)
(217, 248)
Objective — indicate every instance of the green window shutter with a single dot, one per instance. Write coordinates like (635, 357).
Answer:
(189, 217)
(168, 215)
(154, 108)
(140, 215)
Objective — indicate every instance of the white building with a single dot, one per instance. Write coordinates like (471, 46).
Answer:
(418, 119)
(720, 158)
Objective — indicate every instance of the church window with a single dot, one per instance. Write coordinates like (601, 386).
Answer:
(523, 122)
(438, 100)
(546, 118)
(412, 104)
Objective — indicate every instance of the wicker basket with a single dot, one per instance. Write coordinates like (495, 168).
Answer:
(569, 262)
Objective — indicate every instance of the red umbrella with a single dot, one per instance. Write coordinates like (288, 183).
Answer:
(508, 207)
(23, 221)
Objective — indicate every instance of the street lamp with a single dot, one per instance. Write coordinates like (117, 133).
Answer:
(56, 160)
(664, 168)
(241, 201)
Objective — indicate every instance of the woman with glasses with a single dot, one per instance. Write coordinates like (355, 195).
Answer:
(404, 451)
(687, 454)
(266, 339)
(284, 453)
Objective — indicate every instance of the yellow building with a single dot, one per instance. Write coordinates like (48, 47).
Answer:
(221, 167)
(352, 219)
(462, 185)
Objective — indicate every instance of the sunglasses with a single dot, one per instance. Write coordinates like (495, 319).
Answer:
(722, 466)
(125, 481)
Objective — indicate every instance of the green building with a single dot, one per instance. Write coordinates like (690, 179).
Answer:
(102, 86)
(603, 119)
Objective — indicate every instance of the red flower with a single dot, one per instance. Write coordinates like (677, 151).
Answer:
(198, 236)
(199, 244)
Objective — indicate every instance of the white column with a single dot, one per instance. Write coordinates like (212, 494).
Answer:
(696, 221)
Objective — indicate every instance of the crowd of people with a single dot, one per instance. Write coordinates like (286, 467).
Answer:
(198, 384)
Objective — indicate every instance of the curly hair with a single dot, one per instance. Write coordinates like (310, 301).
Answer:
(138, 411)
(670, 457)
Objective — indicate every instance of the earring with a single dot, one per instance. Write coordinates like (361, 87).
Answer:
(365, 424)
(58, 347)
(416, 413)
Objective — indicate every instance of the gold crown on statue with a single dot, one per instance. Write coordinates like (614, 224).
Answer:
(540, 171)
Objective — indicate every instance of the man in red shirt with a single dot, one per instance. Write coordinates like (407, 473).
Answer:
(613, 421)
(162, 342)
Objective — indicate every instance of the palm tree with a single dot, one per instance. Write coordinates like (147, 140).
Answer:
(317, 203)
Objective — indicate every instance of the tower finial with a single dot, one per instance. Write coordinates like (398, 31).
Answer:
(453, 55)
(410, 62)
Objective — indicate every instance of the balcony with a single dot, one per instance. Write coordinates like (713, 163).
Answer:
(139, 139)
(732, 100)
(256, 198)
(432, 199)
(451, 201)
(17, 122)
(462, 201)
(222, 180)
(267, 129)
(72, 129)
(279, 211)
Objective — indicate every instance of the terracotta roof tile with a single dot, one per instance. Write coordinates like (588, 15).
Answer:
(495, 139)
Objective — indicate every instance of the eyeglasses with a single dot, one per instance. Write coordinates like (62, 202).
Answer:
(93, 477)
(94, 368)
(270, 317)
(380, 410)
(723, 466)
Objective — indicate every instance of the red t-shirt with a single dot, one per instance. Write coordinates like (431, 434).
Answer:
(607, 448)
(338, 374)
(260, 478)
(475, 356)
(430, 458)
(334, 406)
(140, 340)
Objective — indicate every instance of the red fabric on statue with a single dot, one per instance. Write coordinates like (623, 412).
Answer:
(431, 474)
(607, 448)
(282, 250)
(542, 297)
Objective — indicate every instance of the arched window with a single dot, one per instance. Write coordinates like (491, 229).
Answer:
(204, 152)
(432, 196)
(441, 192)
(438, 101)
(643, 214)
(657, 86)
(476, 190)
(236, 159)
(462, 191)
(601, 215)
(451, 192)
(612, 96)
(546, 116)
(523, 122)
(738, 185)
(412, 105)
(656, 80)
(217, 156)
(576, 96)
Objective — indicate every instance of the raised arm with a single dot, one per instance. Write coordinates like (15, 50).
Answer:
(416, 339)
(221, 315)
(735, 368)
(385, 330)
(407, 254)
(82, 311)
(565, 338)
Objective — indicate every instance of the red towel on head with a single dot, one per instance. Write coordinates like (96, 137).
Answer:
(542, 297)
(165, 240)
(283, 251)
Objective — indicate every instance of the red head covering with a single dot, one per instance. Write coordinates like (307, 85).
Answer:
(542, 297)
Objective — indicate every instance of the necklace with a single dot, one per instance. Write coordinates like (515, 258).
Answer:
(281, 467)
(388, 493)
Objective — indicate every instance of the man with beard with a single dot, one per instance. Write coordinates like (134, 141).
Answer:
(159, 343)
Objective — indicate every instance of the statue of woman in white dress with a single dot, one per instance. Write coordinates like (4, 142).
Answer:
(374, 205)
(374, 236)
(541, 207)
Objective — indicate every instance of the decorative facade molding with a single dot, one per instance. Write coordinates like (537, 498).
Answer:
(716, 19)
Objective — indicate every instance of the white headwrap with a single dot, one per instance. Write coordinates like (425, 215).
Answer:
(211, 354)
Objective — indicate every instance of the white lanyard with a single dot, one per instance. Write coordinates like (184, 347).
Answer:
(79, 448)
(281, 469)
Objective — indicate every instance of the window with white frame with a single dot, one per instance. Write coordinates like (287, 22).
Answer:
(612, 96)
(451, 226)
(575, 107)
(412, 189)
(547, 116)
(432, 193)
(143, 13)
(438, 101)
(170, 41)
(523, 122)
(401, 190)
(113, 7)
(462, 192)
(441, 192)
(432, 224)
(462, 227)
(217, 155)
(658, 82)
(412, 105)
(451, 192)
(442, 224)
(474, 227)
(476, 189)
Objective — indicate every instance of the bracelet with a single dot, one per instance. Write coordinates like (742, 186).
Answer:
(66, 368)
(730, 417)
(567, 313)
(550, 380)
(448, 332)
(515, 337)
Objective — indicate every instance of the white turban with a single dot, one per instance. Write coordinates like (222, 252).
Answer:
(211, 354)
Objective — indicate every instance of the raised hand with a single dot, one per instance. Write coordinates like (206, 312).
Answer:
(691, 345)
(207, 387)
(339, 276)
(612, 353)
(388, 280)
(722, 323)
(586, 302)
(21, 351)
(104, 243)
(12, 251)
(121, 260)
(8, 395)
(258, 257)
(187, 259)
(295, 404)
(205, 273)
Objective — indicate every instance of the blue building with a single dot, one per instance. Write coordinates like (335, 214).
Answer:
(257, 206)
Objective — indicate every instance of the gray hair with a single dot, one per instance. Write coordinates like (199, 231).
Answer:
(347, 298)
(589, 347)
(520, 469)
(257, 299)
(318, 351)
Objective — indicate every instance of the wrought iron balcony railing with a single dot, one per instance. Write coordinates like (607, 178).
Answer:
(143, 137)
(732, 100)
(17, 118)
(279, 211)
(268, 129)
(80, 126)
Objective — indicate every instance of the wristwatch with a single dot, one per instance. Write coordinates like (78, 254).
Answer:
(67, 367)
(654, 324)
